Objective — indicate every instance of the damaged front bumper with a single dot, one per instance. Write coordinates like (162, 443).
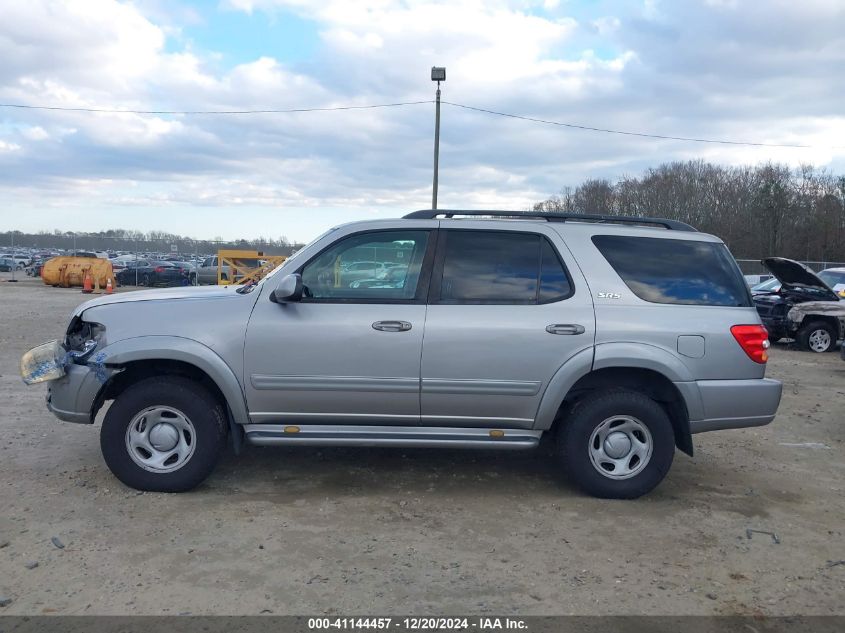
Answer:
(777, 328)
(71, 397)
(74, 378)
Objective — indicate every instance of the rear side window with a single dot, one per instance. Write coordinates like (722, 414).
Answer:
(676, 271)
(501, 268)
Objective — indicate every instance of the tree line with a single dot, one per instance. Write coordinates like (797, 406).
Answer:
(759, 211)
(139, 241)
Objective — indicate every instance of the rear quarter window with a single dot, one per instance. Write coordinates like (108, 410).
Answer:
(685, 272)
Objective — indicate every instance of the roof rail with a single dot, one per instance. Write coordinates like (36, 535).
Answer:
(431, 214)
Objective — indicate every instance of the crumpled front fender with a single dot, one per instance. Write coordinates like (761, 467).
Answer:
(187, 351)
(72, 398)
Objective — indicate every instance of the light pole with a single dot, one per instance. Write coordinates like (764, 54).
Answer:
(14, 263)
(438, 74)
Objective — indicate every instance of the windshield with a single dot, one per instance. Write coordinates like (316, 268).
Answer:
(767, 286)
(833, 278)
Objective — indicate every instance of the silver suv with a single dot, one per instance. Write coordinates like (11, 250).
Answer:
(618, 337)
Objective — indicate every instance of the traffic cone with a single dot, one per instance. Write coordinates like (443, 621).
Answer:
(87, 286)
(109, 288)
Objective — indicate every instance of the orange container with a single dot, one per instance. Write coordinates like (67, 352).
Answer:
(70, 272)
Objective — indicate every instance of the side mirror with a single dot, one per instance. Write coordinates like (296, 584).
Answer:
(289, 289)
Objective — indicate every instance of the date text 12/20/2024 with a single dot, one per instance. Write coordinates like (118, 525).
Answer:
(417, 624)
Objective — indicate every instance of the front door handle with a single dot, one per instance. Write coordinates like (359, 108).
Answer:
(565, 328)
(392, 326)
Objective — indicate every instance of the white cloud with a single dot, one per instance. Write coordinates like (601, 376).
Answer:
(606, 25)
(35, 133)
(686, 68)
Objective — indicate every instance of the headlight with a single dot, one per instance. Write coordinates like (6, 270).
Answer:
(81, 334)
(42, 363)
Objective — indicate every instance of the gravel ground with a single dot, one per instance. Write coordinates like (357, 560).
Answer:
(347, 531)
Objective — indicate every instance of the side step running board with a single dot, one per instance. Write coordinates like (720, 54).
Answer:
(400, 436)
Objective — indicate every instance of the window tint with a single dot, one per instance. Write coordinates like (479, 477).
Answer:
(675, 271)
(356, 268)
(554, 284)
(504, 268)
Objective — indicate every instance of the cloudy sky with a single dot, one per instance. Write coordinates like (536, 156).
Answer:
(768, 72)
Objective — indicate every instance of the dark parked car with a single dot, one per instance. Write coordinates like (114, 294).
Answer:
(152, 273)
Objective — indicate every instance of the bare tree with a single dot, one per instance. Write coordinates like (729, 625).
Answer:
(759, 211)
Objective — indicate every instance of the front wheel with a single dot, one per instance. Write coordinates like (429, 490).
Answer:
(818, 336)
(163, 434)
(616, 444)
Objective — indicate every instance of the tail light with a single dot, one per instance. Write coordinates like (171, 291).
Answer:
(159, 269)
(754, 340)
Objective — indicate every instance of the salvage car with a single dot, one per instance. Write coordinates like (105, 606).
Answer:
(206, 272)
(152, 273)
(618, 337)
(7, 264)
(34, 270)
(803, 305)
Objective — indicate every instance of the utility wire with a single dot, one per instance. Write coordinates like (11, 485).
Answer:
(408, 103)
(269, 111)
(609, 131)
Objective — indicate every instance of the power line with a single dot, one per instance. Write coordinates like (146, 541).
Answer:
(268, 111)
(624, 133)
(521, 117)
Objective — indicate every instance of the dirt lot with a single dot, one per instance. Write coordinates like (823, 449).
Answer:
(431, 532)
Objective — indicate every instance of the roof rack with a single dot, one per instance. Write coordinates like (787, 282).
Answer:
(673, 225)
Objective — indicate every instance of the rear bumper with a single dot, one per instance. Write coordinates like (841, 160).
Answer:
(715, 405)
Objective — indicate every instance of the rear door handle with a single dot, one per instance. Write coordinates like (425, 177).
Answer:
(565, 328)
(392, 326)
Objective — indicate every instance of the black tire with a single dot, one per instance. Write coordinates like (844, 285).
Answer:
(189, 397)
(806, 336)
(587, 415)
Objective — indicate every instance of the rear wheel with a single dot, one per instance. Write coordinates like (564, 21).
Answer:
(616, 444)
(817, 336)
(163, 434)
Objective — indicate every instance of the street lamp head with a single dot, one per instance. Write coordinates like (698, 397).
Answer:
(438, 73)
